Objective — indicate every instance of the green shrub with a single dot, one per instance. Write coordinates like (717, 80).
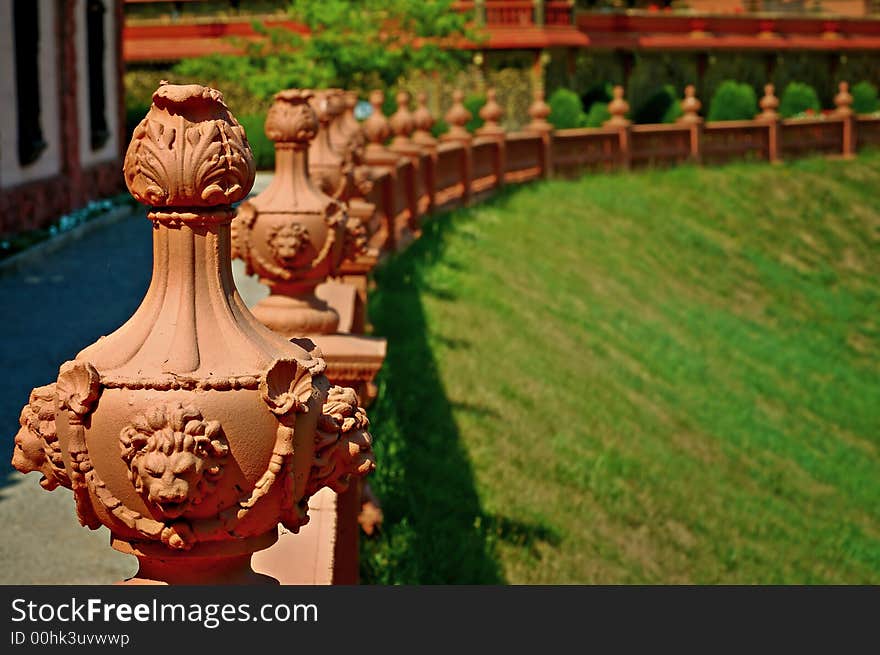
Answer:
(673, 111)
(262, 147)
(661, 107)
(733, 101)
(439, 128)
(566, 110)
(865, 98)
(597, 115)
(474, 104)
(799, 98)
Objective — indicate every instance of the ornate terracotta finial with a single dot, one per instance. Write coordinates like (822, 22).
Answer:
(345, 128)
(160, 175)
(377, 129)
(539, 110)
(292, 235)
(402, 121)
(424, 121)
(491, 114)
(769, 104)
(843, 100)
(618, 108)
(178, 430)
(329, 167)
(690, 106)
(457, 117)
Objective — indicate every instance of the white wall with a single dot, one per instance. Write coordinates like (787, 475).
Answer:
(49, 162)
(109, 150)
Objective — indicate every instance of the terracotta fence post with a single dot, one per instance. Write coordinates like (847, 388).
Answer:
(403, 125)
(294, 236)
(539, 110)
(424, 121)
(336, 164)
(195, 382)
(491, 113)
(769, 104)
(618, 108)
(843, 109)
(690, 107)
(457, 117)
(377, 130)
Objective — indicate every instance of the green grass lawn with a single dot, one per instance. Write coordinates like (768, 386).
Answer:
(658, 377)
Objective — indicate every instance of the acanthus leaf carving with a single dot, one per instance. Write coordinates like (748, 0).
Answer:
(178, 158)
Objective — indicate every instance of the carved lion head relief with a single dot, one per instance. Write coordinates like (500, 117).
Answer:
(174, 456)
(36, 444)
(286, 241)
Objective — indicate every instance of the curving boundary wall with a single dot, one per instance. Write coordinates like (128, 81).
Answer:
(456, 173)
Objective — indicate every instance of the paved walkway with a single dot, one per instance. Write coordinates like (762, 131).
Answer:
(50, 311)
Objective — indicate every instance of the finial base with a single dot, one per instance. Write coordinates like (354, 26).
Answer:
(295, 317)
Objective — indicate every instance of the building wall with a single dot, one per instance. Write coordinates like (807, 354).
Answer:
(68, 173)
(49, 162)
(110, 149)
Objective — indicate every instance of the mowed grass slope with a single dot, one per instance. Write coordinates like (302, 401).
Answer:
(658, 377)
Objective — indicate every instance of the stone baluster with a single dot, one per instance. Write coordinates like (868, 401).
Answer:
(377, 129)
(769, 104)
(491, 114)
(403, 124)
(539, 110)
(457, 117)
(329, 168)
(690, 107)
(192, 430)
(843, 109)
(345, 131)
(294, 236)
(424, 121)
(619, 108)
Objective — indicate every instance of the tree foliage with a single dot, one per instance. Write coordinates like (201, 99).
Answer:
(346, 43)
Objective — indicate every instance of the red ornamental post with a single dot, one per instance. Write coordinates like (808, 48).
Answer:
(192, 430)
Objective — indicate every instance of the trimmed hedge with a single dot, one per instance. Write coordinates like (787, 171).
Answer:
(474, 104)
(733, 101)
(799, 98)
(865, 99)
(597, 115)
(566, 110)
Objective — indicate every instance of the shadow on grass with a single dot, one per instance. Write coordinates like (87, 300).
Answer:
(435, 530)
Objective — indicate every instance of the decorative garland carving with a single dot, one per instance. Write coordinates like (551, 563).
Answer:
(78, 388)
